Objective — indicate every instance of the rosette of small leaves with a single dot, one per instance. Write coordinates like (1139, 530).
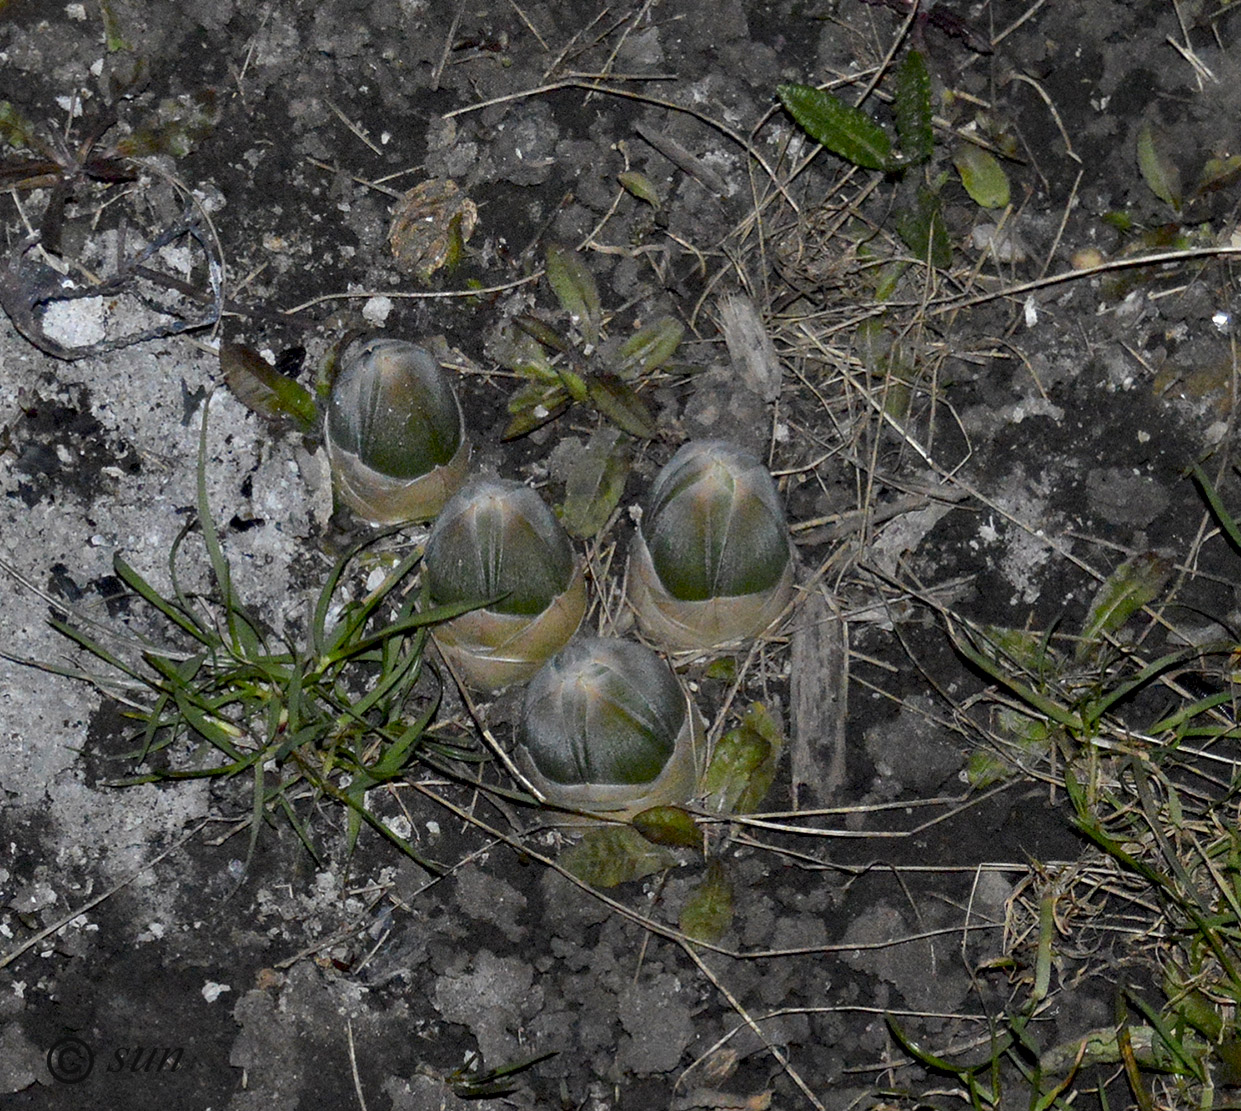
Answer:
(711, 562)
(607, 728)
(497, 542)
(581, 366)
(394, 431)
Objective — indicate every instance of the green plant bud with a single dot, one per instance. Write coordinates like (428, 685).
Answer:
(497, 541)
(395, 432)
(711, 562)
(607, 728)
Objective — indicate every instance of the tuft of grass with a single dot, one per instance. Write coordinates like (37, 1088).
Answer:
(1154, 791)
(348, 709)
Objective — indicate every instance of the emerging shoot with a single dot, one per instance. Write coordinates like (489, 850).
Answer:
(497, 542)
(607, 728)
(711, 562)
(395, 433)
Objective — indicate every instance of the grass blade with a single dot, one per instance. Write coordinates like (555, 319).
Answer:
(181, 616)
(394, 759)
(1226, 521)
(241, 630)
(346, 632)
(1046, 706)
(1174, 1044)
(1149, 672)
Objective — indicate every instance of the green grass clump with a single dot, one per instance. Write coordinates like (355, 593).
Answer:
(1152, 781)
(344, 712)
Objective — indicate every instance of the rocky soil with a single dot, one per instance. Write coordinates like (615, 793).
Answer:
(1009, 429)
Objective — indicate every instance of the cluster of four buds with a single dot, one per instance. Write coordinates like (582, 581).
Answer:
(606, 725)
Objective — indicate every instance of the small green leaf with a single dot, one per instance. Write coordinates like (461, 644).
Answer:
(923, 229)
(548, 395)
(1218, 173)
(617, 401)
(843, 129)
(1028, 649)
(649, 348)
(574, 384)
(984, 769)
(744, 764)
(1134, 584)
(516, 350)
(913, 109)
(708, 912)
(457, 235)
(15, 129)
(1158, 170)
(669, 825)
(1033, 736)
(640, 186)
(887, 278)
(576, 290)
(595, 483)
(541, 332)
(612, 855)
(532, 407)
(524, 423)
(264, 390)
(982, 175)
